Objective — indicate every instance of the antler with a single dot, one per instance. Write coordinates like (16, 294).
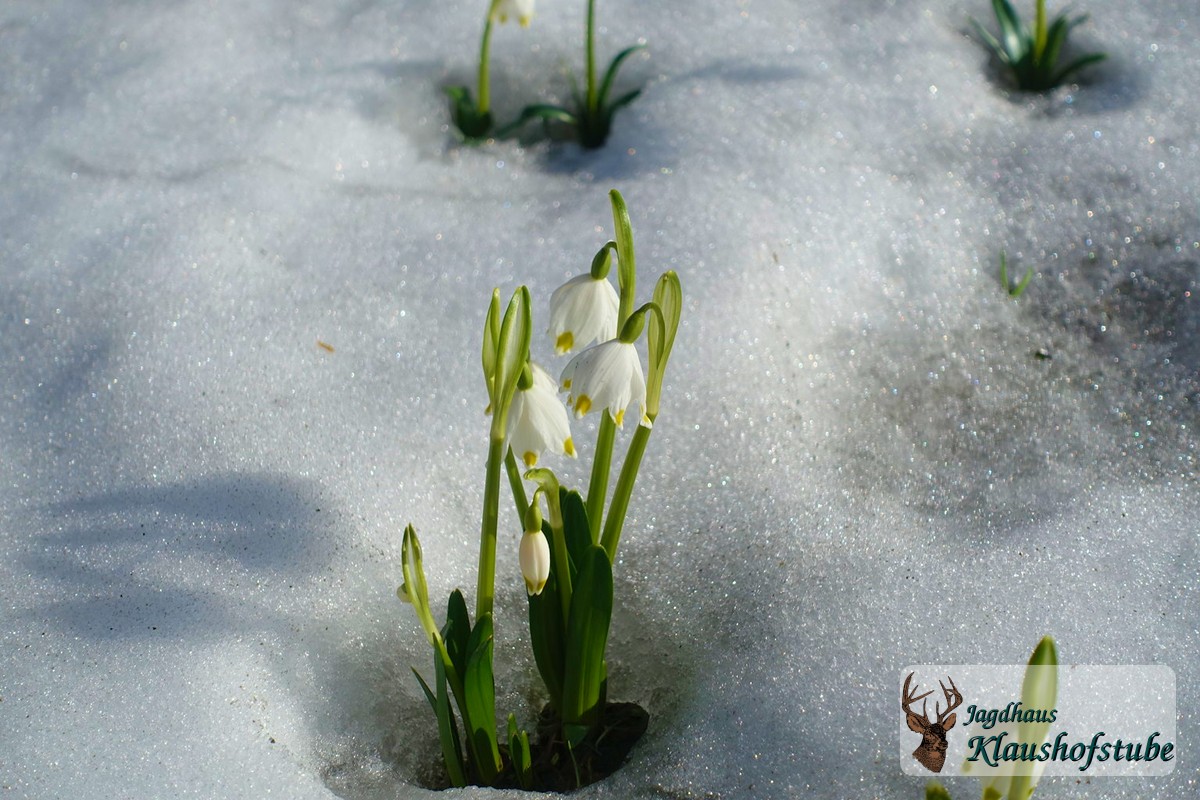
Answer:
(910, 696)
(954, 699)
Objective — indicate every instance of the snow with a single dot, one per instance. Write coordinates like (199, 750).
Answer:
(861, 461)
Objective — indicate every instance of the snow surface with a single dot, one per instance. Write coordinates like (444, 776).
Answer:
(860, 463)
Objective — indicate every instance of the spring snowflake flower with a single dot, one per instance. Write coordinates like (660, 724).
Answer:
(521, 9)
(609, 376)
(537, 420)
(583, 310)
(535, 561)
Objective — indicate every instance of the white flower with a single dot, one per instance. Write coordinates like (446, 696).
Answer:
(535, 561)
(537, 420)
(583, 310)
(607, 375)
(521, 9)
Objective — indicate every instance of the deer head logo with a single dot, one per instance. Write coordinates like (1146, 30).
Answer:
(932, 752)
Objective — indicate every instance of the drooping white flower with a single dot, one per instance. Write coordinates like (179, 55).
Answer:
(583, 310)
(538, 421)
(608, 376)
(521, 9)
(535, 561)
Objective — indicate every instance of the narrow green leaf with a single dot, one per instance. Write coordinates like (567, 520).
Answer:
(491, 339)
(457, 630)
(668, 296)
(576, 530)
(447, 730)
(587, 637)
(547, 636)
(626, 260)
(1078, 64)
(621, 102)
(989, 40)
(1055, 38)
(425, 687)
(519, 753)
(1010, 28)
(480, 689)
(542, 111)
(412, 566)
(610, 74)
(512, 351)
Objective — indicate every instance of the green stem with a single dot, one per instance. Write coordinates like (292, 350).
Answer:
(487, 534)
(601, 466)
(621, 494)
(515, 483)
(561, 569)
(485, 95)
(591, 58)
(1039, 32)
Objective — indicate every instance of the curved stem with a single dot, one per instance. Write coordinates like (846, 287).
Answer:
(621, 494)
(487, 535)
(514, 482)
(601, 466)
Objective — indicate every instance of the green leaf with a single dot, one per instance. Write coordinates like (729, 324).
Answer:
(479, 686)
(668, 296)
(626, 261)
(1055, 38)
(610, 74)
(457, 630)
(935, 791)
(1010, 29)
(512, 351)
(543, 111)
(1078, 64)
(547, 636)
(587, 637)
(518, 751)
(621, 102)
(491, 339)
(989, 40)
(412, 565)
(576, 529)
(447, 730)
(425, 687)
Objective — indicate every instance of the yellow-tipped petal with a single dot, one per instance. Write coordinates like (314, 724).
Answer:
(569, 447)
(564, 343)
(620, 418)
(583, 404)
(530, 459)
(567, 384)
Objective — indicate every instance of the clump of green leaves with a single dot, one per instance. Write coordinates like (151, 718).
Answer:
(590, 120)
(1032, 54)
(1014, 290)
(567, 556)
